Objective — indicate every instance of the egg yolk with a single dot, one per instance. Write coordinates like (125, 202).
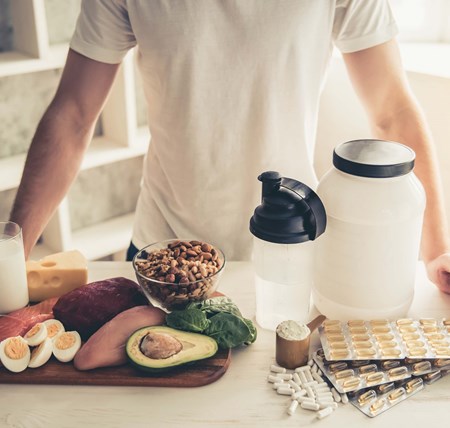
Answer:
(65, 341)
(52, 330)
(33, 331)
(15, 349)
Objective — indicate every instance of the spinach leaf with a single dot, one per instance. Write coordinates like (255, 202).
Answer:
(188, 320)
(228, 330)
(253, 331)
(215, 305)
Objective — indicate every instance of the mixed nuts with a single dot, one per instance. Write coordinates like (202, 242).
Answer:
(180, 273)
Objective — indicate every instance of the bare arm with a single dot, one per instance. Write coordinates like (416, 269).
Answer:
(59, 143)
(381, 84)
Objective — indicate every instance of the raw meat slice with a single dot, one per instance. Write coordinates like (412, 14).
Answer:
(17, 323)
(106, 347)
(87, 308)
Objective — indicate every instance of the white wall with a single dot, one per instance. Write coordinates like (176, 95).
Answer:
(342, 118)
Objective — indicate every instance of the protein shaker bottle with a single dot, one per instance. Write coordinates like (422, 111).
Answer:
(291, 216)
(366, 262)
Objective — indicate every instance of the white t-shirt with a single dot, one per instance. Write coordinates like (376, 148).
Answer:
(233, 90)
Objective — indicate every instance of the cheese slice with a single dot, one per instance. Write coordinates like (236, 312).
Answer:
(56, 274)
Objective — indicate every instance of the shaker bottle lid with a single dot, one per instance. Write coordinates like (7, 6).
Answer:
(290, 211)
(374, 158)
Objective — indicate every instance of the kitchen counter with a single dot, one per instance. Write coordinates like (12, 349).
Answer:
(241, 398)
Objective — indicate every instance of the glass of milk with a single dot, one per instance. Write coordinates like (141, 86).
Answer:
(13, 276)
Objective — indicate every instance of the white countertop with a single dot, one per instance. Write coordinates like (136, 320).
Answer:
(241, 398)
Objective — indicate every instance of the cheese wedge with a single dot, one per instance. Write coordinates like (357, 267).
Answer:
(56, 274)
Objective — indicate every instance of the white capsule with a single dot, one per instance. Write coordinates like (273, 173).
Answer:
(293, 407)
(308, 376)
(324, 396)
(284, 391)
(299, 394)
(276, 385)
(310, 362)
(320, 384)
(277, 369)
(309, 406)
(316, 377)
(272, 378)
(302, 377)
(336, 395)
(322, 388)
(344, 398)
(294, 386)
(312, 383)
(305, 400)
(296, 378)
(302, 369)
(324, 412)
(309, 392)
(325, 404)
(284, 376)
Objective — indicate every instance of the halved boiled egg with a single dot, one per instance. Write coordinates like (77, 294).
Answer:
(41, 354)
(54, 328)
(36, 335)
(66, 345)
(15, 354)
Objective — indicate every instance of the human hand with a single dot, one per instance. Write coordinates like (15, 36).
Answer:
(438, 271)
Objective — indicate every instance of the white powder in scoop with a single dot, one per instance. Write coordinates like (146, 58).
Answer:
(292, 330)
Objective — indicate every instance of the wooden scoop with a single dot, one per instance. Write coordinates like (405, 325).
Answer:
(294, 353)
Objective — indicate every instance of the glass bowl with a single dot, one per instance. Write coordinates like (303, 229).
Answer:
(176, 272)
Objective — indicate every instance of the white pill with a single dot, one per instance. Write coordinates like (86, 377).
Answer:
(325, 404)
(296, 378)
(312, 383)
(294, 386)
(277, 369)
(324, 396)
(322, 389)
(324, 412)
(293, 407)
(302, 377)
(276, 385)
(272, 378)
(336, 395)
(309, 406)
(308, 376)
(284, 391)
(299, 394)
(310, 362)
(316, 377)
(309, 392)
(284, 376)
(322, 384)
(344, 398)
(302, 369)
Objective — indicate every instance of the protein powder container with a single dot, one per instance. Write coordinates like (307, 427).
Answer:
(365, 263)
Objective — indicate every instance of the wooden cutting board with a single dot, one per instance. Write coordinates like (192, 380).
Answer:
(199, 373)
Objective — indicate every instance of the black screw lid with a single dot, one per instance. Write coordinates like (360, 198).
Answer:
(290, 211)
(374, 158)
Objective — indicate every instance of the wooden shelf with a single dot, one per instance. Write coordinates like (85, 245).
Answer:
(102, 151)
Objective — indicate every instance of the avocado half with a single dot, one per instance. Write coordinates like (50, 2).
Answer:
(156, 340)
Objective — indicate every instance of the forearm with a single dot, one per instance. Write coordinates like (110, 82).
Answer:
(52, 163)
(408, 126)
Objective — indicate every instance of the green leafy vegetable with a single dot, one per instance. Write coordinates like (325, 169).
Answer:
(217, 317)
(188, 320)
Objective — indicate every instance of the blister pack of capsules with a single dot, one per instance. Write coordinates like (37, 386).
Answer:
(348, 376)
(385, 340)
(376, 400)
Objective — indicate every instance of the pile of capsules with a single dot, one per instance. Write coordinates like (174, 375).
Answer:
(380, 363)
(307, 388)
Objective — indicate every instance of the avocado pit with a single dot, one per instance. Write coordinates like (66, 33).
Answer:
(160, 345)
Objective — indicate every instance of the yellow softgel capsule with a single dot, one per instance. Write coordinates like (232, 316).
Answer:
(341, 374)
(442, 352)
(433, 376)
(337, 354)
(359, 363)
(369, 352)
(351, 383)
(405, 321)
(411, 336)
(334, 367)
(327, 323)
(379, 322)
(397, 394)
(369, 368)
(446, 321)
(421, 366)
(398, 372)
(435, 336)
(407, 329)
(362, 345)
(377, 405)
(338, 345)
(413, 385)
(417, 352)
(390, 364)
(374, 378)
(384, 337)
(415, 344)
(387, 344)
(439, 344)
(430, 329)
(356, 323)
(360, 338)
(442, 362)
(358, 330)
(428, 321)
(336, 338)
(391, 352)
(386, 387)
(367, 397)
(381, 329)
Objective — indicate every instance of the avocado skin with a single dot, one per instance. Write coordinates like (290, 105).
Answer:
(183, 358)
